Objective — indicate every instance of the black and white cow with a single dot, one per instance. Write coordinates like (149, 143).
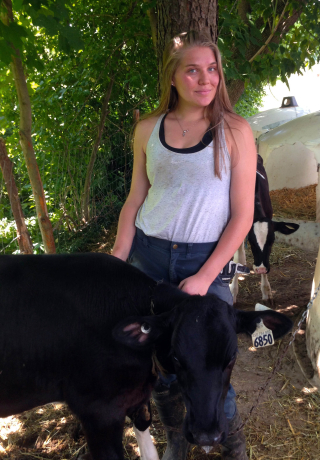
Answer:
(83, 329)
(262, 234)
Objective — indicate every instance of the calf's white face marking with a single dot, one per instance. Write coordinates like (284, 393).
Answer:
(260, 230)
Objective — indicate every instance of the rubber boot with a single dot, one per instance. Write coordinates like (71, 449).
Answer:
(235, 445)
(171, 410)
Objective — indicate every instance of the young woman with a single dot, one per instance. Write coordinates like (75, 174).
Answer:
(191, 199)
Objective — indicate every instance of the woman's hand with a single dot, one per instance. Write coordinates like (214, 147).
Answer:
(195, 285)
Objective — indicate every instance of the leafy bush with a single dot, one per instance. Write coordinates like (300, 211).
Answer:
(250, 101)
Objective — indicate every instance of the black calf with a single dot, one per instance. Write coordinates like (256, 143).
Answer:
(81, 329)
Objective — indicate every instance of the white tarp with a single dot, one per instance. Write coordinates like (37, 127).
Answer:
(291, 152)
(269, 119)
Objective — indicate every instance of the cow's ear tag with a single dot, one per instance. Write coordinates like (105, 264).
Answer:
(262, 336)
(145, 328)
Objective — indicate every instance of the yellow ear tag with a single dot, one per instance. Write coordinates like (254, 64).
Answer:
(262, 336)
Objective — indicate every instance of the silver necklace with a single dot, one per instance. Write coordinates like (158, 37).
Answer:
(184, 131)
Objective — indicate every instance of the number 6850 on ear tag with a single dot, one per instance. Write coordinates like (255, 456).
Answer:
(262, 336)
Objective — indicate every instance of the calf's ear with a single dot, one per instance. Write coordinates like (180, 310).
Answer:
(285, 227)
(140, 331)
(277, 322)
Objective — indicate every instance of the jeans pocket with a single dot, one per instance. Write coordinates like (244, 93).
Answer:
(222, 282)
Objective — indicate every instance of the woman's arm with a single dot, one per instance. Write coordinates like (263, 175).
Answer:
(243, 175)
(138, 191)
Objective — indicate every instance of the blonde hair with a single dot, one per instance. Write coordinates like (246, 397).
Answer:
(218, 107)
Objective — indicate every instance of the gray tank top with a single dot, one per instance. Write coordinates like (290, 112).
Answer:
(186, 202)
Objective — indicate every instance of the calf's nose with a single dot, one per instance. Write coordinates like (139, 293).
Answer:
(207, 439)
(260, 270)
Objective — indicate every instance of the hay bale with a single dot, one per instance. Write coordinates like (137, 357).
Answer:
(297, 203)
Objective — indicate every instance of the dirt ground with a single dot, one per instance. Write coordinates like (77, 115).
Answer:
(286, 423)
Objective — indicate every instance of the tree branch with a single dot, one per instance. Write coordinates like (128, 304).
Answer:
(263, 47)
(6, 165)
(103, 115)
(153, 23)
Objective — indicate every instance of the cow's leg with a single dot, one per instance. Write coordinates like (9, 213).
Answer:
(239, 257)
(146, 446)
(104, 436)
(142, 418)
(266, 289)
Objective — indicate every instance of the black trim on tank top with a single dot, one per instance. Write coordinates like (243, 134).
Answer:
(206, 140)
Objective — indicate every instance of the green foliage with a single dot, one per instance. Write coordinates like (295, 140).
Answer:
(250, 101)
(67, 98)
(283, 56)
(8, 232)
(52, 18)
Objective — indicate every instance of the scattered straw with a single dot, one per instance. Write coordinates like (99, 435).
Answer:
(47, 432)
(292, 432)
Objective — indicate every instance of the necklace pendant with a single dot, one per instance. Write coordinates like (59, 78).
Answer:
(184, 132)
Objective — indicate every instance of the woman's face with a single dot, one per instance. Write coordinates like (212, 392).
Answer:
(196, 78)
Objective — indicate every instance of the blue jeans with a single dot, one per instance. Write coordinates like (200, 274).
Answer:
(172, 262)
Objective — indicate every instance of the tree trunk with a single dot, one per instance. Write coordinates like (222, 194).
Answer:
(24, 240)
(176, 16)
(235, 89)
(26, 142)
(86, 192)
